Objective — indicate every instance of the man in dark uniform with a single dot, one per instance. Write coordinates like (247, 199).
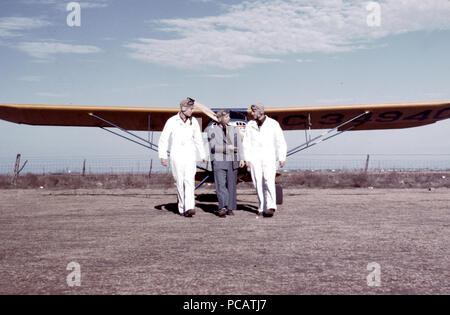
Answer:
(226, 156)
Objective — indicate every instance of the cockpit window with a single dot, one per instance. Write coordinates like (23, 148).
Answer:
(238, 115)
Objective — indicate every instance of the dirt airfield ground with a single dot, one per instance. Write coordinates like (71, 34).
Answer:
(130, 241)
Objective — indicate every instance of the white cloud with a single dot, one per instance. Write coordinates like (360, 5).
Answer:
(13, 26)
(39, 1)
(202, 1)
(93, 5)
(62, 5)
(262, 31)
(43, 50)
(219, 76)
(184, 53)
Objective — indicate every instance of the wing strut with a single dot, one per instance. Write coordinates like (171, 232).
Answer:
(201, 183)
(308, 130)
(152, 145)
(150, 133)
(311, 142)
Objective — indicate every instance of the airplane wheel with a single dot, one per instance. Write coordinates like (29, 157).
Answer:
(279, 194)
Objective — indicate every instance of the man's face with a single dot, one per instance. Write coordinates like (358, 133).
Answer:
(257, 114)
(225, 120)
(187, 110)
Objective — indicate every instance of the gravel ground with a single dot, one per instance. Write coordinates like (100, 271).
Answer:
(130, 241)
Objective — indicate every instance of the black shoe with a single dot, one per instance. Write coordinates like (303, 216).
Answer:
(190, 212)
(269, 212)
(230, 212)
(222, 212)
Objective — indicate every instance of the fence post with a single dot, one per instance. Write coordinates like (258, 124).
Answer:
(17, 170)
(367, 163)
(84, 168)
(150, 172)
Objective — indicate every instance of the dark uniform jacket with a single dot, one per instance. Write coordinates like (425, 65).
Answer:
(220, 152)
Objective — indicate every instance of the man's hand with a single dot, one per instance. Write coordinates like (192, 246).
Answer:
(282, 163)
(164, 162)
(203, 161)
(241, 164)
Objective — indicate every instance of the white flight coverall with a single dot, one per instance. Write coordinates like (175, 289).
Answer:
(263, 146)
(184, 140)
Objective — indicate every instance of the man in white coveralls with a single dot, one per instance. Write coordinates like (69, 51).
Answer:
(264, 144)
(185, 140)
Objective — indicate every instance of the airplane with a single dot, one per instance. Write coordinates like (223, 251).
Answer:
(336, 119)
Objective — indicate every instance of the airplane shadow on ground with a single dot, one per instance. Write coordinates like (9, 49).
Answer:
(207, 198)
(206, 207)
(212, 208)
(248, 208)
(171, 207)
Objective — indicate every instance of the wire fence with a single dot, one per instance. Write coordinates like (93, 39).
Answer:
(141, 164)
(89, 165)
(373, 162)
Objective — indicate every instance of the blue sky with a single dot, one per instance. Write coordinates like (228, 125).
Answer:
(224, 54)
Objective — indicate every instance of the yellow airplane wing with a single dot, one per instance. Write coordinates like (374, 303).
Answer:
(378, 116)
(129, 118)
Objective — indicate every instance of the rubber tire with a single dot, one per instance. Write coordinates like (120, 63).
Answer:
(279, 194)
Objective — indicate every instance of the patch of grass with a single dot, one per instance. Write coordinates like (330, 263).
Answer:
(352, 179)
(92, 181)
(5, 181)
(301, 179)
